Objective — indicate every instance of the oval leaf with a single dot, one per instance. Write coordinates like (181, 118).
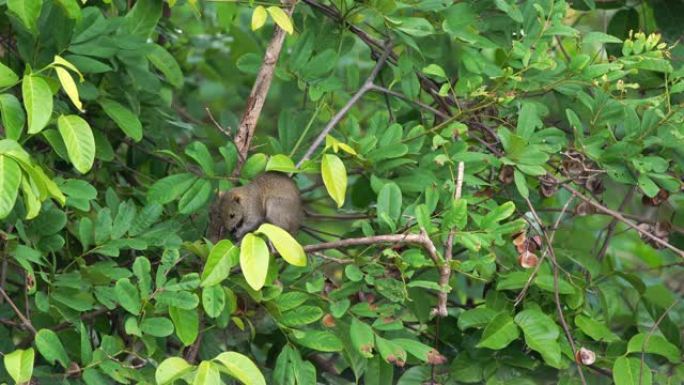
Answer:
(258, 17)
(10, 179)
(241, 368)
(334, 177)
(69, 87)
(254, 260)
(79, 141)
(37, 102)
(124, 118)
(51, 348)
(281, 18)
(171, 369)
(284, 243)
(219, 262)
(19, 364)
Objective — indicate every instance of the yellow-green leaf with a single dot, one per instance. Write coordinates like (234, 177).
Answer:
(258, 17)
(19, 365)
(67, 64)
(254, 260)
(79, 141)
(31, 200)
(219, 262)
(10, 179)
(207, 374)
(284, 243)
(241, 368)
(37, 102)
(69, 87)
(334, 177)
(281, 18)
(171, 369)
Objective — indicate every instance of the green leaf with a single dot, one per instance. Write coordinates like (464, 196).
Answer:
(654, 344)
(218, 265)
(362, 337)
(423, 217)
(284, 243)
(143, 18)
(13, 118)
(498, 214)
(19, 364)
(282, 163)
(124, 219)
(478, 317)
(389, 201)
(7, 76)
(241, 368)
(170, 188)
(334, 177)
(171, 369)
(79, 141)
(500, 332)
(259, 17)
(281, 18)
(51, 348)
(415, 26)
(521, 184)
(157, 326)
(254, 260)
(390, 351)
(69, 86)
(162, 60)
(595, 329)
(127, 295)
(199, 152)
(207, 374)
(196, 197)
(302, 315)
(511, 9)
(124, 118)
(180, 299)
(322, 341)
(631, 371)
(186, 324)
(254, 165)
(600, 37)
(28, 11)
(145, 218)
(213, 300)
(37, 102)
(541, 335)
(420, 351)
(10, 179)
(457, 215)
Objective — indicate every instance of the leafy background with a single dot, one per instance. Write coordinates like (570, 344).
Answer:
(118, 120)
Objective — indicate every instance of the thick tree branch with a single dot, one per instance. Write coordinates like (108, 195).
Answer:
(367, 86)
(256, 99)
(445, 270)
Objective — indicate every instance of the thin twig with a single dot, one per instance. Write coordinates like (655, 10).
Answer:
(650, 333)
(622, 219)
(525, 288)
(367, 86)
(224, 130)
(256, 99)
(445, 270)
(27, 323)
(421, 239)
(613, 224)
(556, 292)
(401, 96)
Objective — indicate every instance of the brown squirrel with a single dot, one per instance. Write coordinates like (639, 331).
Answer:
(271, 197)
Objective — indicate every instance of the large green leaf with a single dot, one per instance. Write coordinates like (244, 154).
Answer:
(334, 177)
(186, 324)
(79, 141)
(362, 337)
(654, 344)
(124, 118)
(241, 368)
(37, 102)
(631, 371)
(284, 243)
(27, 11)
(13, 118)
(51, 348)
(500, 332)
(19, 364)
(541, 334)
(254, 260)
(220, 260)
(10, 179)
(171, 369)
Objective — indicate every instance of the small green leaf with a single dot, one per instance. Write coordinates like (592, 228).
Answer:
(284, 243)
(79, 141)
(282, 163)
(7, 76)
(199, 152)
(171, 369)
(521, 184)
(254, 260)
(186, 324)
(213, 300)
(19, 365)
(10, 179)
(281, 18)
(157, 326)
(28, 11)
(541, 335)
(124, 118)
(258, 17)
(37, 101)
(219, 262)
(241, 368)
(595, 329)
(13, 118)
(457, 215)
(170, 187)
(302, 315)
(166, 63)
(197, 196)
(631, 371)
(127, 295)
(51, 348)
(654, 344)
(334, 177)
(323, 341)
(362, 337)
(69, 87)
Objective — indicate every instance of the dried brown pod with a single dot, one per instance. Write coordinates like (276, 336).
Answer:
(584, 208)
(547, 186)
(660, 230)
(594, 184)
(585, 356)
(527, 260)
(657, 200)
(506, 174)
(573, 164)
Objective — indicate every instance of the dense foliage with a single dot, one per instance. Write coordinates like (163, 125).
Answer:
(498, 200)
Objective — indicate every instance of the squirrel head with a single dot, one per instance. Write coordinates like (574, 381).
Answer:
(232, 210)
